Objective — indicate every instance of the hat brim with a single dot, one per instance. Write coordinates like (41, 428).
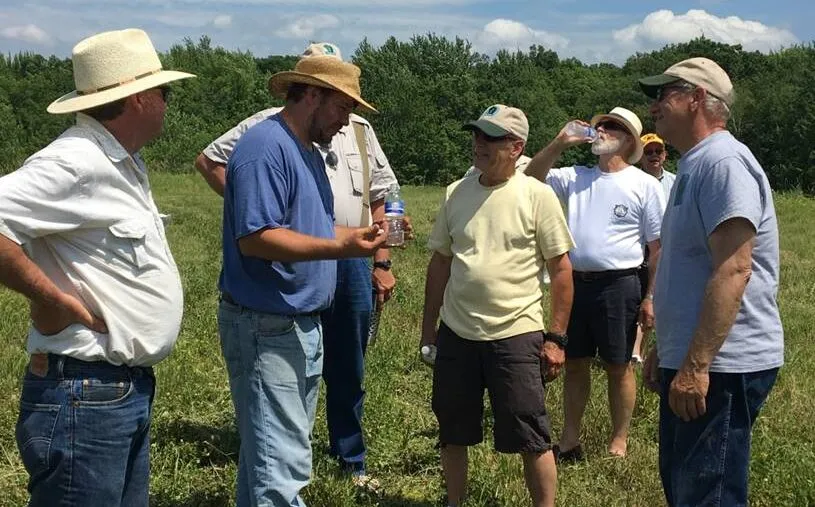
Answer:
(650, 85)
(638, 148)
(74, 102)
(280, 82)
(487, 127)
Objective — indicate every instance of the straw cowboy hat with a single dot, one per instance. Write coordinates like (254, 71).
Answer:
(631, 122)
(110, 66)
(324, 71)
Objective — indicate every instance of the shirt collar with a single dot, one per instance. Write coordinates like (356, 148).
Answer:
(109, 144)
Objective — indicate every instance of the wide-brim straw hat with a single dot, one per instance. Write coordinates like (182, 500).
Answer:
(110, 66)
(631, 122)
(325, 72)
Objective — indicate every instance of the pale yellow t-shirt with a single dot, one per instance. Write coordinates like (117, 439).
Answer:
(499, 238)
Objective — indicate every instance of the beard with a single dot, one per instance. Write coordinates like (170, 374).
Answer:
(605, 146)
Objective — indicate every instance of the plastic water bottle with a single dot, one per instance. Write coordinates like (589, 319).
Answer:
(428, 353)
(576, 129)
(394, 214)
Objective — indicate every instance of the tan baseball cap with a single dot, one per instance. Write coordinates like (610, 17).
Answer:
(322, 49)
(499, 120)
(702, 72)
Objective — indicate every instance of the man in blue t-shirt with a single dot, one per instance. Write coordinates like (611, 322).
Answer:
(719, 337)
(279, 242)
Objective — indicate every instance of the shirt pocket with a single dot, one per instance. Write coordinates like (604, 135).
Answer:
(355, 168)
(127, 242)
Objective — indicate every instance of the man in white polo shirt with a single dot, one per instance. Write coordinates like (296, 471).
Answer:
(613, 209)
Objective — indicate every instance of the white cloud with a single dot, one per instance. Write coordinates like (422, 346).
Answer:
(26, 33)
(509, 34)
(222, 21)
(664, 27)
(307, 26)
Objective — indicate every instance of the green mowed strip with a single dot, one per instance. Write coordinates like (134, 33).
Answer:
(195, 443)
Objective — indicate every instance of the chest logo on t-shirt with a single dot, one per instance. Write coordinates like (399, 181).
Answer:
(620, 210)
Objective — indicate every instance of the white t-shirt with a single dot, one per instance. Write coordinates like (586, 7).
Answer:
(611, 215)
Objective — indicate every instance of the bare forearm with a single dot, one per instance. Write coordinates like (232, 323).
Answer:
(213, 172)
(20, 274)
(378, 215)
(284, 245)
(720, 306)
(562, 295)
(544, 160)
(653, 261)
(438, 273)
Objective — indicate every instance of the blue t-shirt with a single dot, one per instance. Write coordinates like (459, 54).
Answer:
(273, 181)
(718, 179)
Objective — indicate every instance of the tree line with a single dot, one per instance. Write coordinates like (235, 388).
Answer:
(425, 88)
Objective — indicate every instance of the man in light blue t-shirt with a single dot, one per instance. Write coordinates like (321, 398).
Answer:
(719, 337)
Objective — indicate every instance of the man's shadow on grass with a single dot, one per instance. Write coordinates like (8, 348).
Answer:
(217, 444)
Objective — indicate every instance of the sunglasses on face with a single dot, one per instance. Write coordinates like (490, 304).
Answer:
(654, 151)
(165, 93)
(611, 125)
(490, 139)
(663, 92)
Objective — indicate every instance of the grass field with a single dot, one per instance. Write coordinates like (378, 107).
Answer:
(195, 443)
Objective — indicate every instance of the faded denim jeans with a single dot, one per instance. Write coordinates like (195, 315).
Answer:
(84, 433)
(274, 364)
(705, 462)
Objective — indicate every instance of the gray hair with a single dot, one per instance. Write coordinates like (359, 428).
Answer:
(717, 108)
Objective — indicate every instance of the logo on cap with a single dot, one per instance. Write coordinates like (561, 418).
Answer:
(328, 48)
(491, 111)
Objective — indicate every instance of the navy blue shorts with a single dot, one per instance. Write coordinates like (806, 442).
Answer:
(604, 317)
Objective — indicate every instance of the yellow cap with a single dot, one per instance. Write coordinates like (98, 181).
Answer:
(651, 138)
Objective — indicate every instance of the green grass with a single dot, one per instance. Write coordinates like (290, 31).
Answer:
(195, 444)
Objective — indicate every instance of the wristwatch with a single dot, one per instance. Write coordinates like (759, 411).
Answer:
(558, 339)
(386, 265)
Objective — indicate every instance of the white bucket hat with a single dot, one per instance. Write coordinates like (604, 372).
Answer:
(631, 122)
(110, 66)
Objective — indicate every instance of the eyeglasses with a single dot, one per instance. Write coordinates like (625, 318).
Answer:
(666, 90)
(611, 125)
(655, 151)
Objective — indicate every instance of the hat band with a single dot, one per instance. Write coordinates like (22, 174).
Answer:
(120, 83)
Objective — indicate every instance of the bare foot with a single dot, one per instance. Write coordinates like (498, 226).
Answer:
(618, 448)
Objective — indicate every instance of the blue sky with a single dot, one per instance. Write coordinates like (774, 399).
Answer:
(591, 31)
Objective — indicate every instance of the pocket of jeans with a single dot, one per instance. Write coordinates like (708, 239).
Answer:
(268, 325)
(104, 392)
(34, 434)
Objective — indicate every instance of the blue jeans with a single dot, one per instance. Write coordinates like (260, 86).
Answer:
(274, 364)
(84, 433)
(346, 337)
(706, 461)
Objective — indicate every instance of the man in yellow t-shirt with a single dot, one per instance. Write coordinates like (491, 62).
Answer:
(496, 233)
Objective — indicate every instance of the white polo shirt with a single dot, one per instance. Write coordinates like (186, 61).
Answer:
(345, 176)
(82, 209)
(611, 215)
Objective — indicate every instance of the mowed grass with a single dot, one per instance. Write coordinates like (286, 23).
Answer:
(195, 444)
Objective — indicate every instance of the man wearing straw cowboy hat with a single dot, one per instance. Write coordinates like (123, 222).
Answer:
(613, 209)
(81, 237)
(279, 241)
(360, 175)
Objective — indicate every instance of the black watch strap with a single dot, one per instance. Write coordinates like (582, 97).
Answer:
(386, 265)
(561, 340)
